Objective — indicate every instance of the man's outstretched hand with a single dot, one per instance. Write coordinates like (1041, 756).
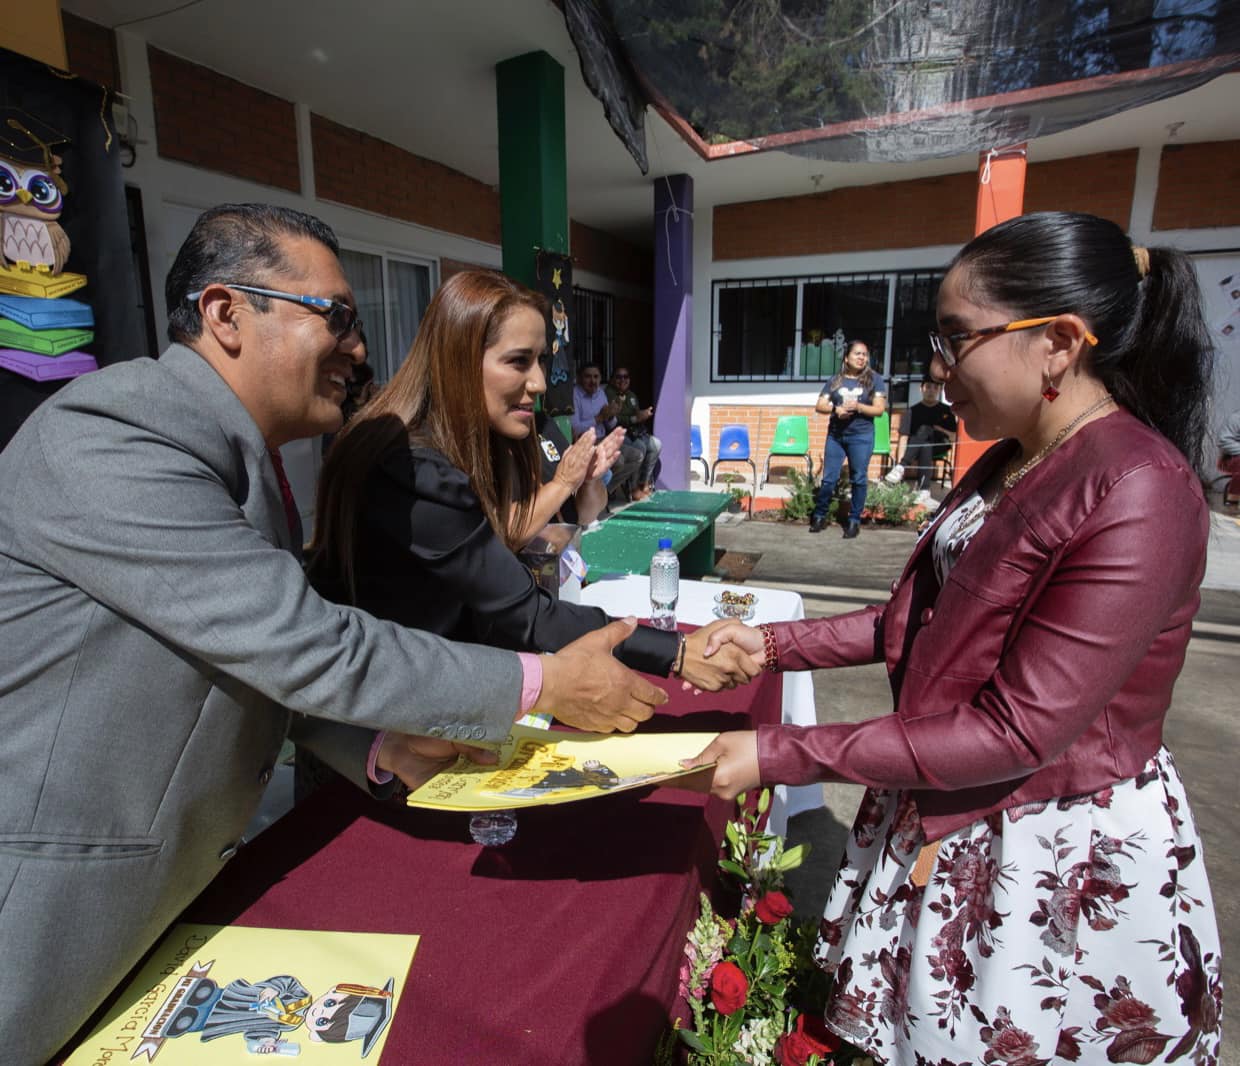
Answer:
(585, 686)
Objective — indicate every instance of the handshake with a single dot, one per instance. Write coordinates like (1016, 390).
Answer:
(585, 686)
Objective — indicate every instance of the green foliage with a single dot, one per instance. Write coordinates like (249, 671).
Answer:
(778, 979)
(800, 503)
(895, 504)
(739, 495)
(743, 68)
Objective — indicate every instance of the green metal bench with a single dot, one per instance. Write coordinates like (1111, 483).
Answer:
(626, 541)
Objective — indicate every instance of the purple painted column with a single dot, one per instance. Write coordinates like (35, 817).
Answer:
(673, 317)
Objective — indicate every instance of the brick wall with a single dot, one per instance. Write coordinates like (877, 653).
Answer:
(1099, 184)
(899, 214)
(208, 120)
(761, 420)
(1197, 186)
(92, 51)
(354, 168)
(601, 253)
(911, 214)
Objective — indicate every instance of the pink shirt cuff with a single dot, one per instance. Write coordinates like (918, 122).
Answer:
(531, 680)
(377, 776)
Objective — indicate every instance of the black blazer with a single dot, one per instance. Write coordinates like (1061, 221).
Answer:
(426, 557)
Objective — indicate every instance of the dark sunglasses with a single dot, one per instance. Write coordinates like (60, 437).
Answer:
(341, 318)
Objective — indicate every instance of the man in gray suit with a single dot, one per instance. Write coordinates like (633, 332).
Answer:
(158, 640)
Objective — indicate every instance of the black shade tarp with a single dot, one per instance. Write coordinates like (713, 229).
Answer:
(898, 80)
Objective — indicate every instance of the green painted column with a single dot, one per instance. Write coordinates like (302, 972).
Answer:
(533, 161)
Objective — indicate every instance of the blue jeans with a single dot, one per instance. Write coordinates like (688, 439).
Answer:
(857, 449)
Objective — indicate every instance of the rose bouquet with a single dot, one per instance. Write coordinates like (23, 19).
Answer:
(754, 991)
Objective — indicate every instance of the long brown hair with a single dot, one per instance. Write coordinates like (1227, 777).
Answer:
(435, 400)
(866, 377)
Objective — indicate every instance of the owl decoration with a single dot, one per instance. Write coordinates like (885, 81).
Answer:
(31, 199)
(40, 330)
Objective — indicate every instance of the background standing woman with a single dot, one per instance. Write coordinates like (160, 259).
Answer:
(1024, 881)
(853, 398)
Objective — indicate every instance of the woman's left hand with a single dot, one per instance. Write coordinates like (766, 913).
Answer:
(606, 452)
(735, 756)
(415, 760)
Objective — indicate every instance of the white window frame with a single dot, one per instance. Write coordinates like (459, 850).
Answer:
(386, 256)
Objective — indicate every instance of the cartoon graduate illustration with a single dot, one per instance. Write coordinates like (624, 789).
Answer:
(263, 1012)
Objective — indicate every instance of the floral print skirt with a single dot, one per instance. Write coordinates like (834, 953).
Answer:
(1075, 930)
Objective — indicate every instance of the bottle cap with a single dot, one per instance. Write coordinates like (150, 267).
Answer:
(665, 544)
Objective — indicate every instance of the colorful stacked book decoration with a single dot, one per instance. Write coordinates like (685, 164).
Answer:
(40, 330)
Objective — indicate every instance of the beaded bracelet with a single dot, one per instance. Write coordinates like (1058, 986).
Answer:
(679, 664)
(769, 647)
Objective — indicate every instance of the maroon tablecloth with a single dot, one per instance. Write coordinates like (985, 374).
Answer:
(559, 949)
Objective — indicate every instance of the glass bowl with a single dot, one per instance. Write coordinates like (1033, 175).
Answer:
(736, 605)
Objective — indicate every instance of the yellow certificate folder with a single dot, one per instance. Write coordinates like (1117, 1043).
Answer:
(222, 994)
(540, 766)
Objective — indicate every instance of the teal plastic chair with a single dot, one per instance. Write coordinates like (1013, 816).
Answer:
(734, 448)
(791, 441)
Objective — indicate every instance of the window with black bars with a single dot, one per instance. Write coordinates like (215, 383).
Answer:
(798, 328)
(591, 329)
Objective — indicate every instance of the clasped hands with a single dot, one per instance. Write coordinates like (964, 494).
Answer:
(714, 659)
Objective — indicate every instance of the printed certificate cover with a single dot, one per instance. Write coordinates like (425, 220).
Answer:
(539, 766)
(220, 994)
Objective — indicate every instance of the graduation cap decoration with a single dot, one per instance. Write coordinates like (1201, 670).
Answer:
(32, 194)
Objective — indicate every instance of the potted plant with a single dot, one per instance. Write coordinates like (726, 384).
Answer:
(739, 495)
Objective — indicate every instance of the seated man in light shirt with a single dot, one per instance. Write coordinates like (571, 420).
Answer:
(593, 412)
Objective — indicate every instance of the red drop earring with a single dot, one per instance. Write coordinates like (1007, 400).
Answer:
(1049, 393)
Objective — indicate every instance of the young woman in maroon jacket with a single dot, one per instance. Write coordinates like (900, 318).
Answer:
(1024, 881)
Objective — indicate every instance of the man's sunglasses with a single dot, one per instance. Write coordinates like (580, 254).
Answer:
(341, 318)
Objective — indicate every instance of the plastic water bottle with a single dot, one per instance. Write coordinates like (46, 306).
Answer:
(664, 586)
(492, 828)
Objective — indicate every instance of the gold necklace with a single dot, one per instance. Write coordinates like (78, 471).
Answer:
(1010, 479)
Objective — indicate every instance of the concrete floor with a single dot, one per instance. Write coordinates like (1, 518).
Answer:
(1203, 726)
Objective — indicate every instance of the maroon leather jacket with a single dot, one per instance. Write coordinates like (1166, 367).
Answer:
(1044, 665)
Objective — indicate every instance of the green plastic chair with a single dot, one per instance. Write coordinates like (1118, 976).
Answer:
(882, 441)
(792, 440)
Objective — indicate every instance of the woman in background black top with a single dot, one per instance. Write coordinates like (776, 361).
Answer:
(427, 492)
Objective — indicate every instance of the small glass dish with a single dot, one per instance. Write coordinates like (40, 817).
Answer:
(739, 606)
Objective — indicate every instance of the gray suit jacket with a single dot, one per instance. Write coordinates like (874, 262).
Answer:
(157, 643)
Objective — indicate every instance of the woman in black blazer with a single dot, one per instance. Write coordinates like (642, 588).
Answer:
(425, 495)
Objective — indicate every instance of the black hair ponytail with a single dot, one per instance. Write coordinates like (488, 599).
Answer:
(1154, 351)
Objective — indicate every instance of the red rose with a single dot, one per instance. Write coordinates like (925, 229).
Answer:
(1128, 1012)
(773, 908)
(728, 987)
(1013, 1045)
(810, 1037)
